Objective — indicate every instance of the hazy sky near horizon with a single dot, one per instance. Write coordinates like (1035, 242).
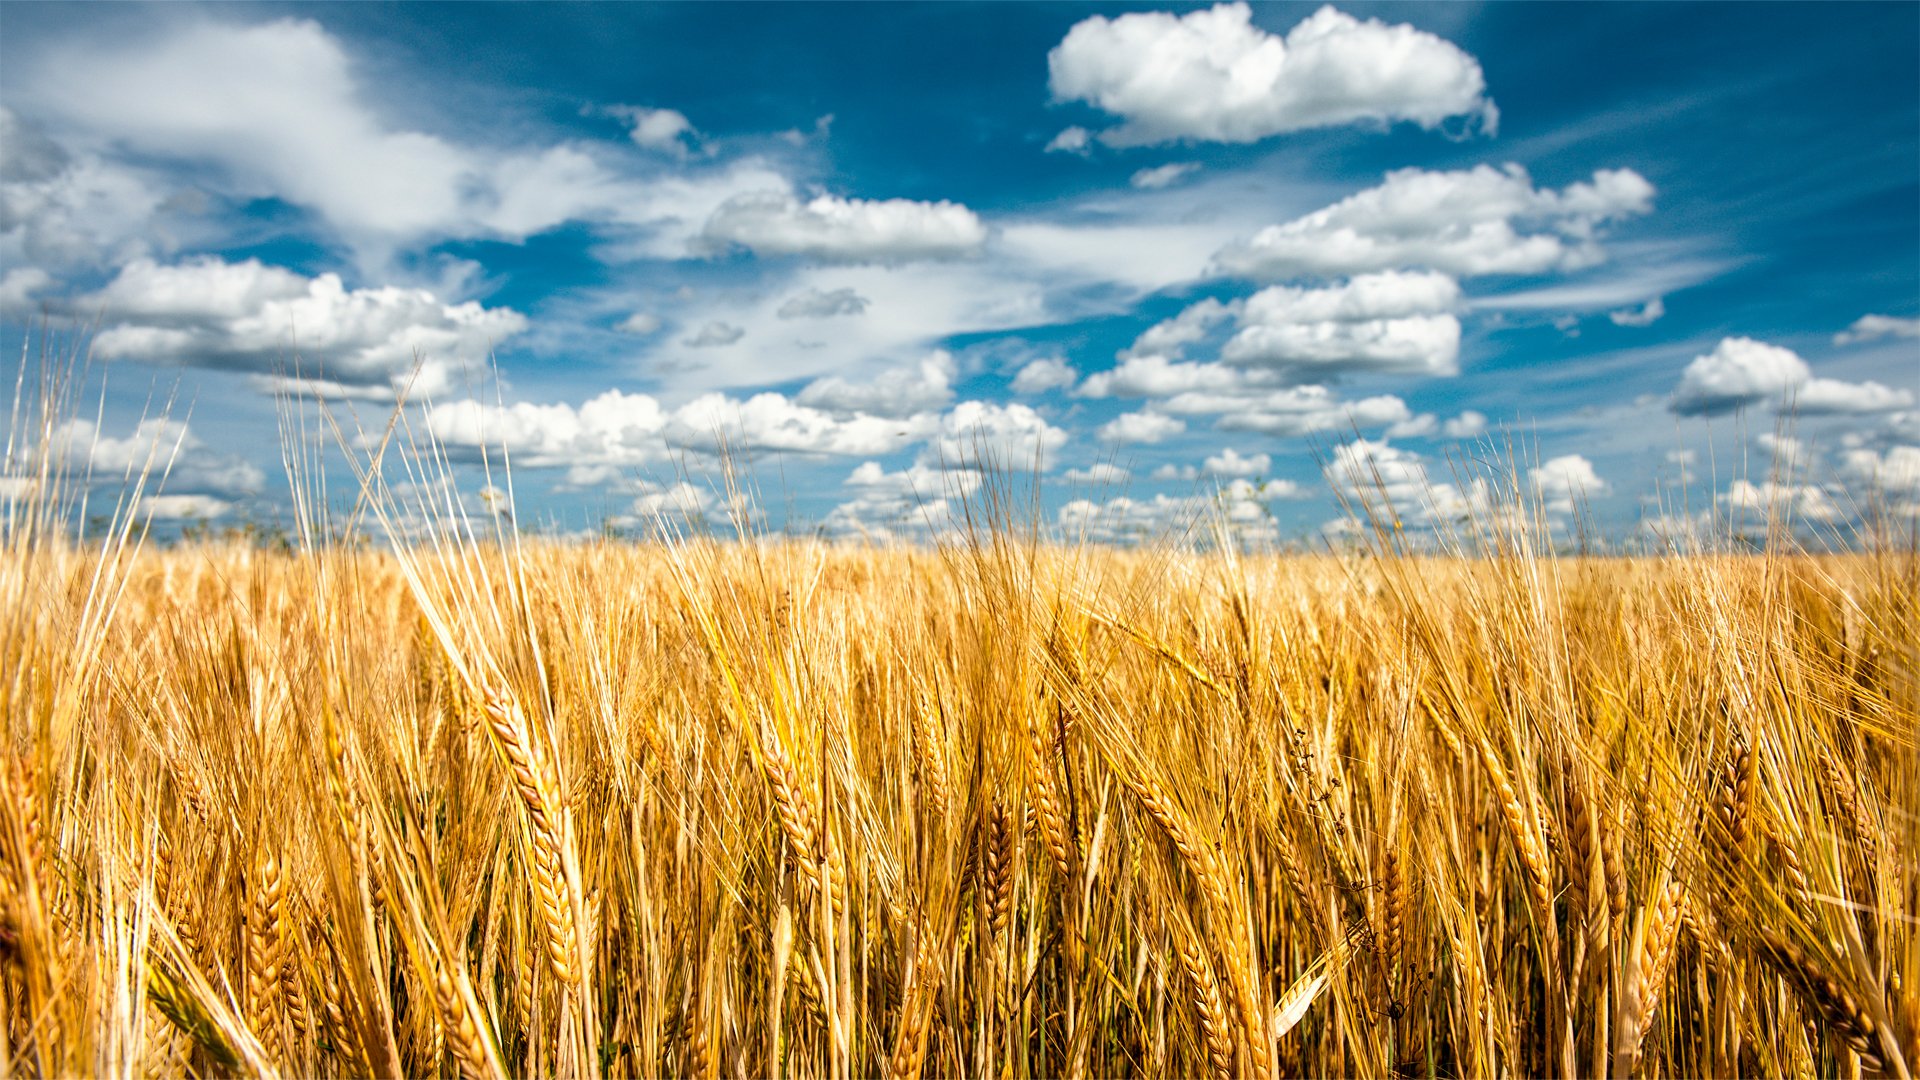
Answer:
(1188, 257)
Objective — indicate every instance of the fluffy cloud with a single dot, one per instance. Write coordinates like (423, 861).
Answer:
(1385, 478)
(1212, 75)
(775, 422)
(901, 392)
(612, 429)
(18, 286)
(60, 209)
(833, 229)
(1073, 140)
(250, 317)
(1874, 327)
(912, 501)
(1465, 426)
(183, 507)
(1645, 315)
(1894, 474)
(1103, 473)
(713, 335)
(640, 324)
(1392, 322)
(1228, 463)
(816, 304)
(1141, 427)
(1806, 502)
(165, 450)
(1563, 482)
(1153, 375)
(656, 129)
(1740, 372)
(1042, 375)
(1163, 175)
(1466, 223)
(1240, 507)
(979, 434)
(1170, 337)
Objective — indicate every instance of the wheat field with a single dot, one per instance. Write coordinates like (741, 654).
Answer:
(992, 806)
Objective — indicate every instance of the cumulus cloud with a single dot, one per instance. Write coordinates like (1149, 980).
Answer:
(832, 229)
(1466, 223)
(1383, 477)
(900, 392)
(1103, 473)
(1170, 337)
(816, 304)
(775, 422)
(1465, 426)
(166, 450)
(1390, 322)
(183, 507)
(1073, 140)
(980, 434)
(1240, 506)
(1645, 315)
(1228, 463)
(1874, 327)
(713, 335)
(1563, 482)
(1805, 502)
(1154, 375)
(640, 324)
(1141, 427)
(60, 209)
(656, 129)
(1163, 175)
(610, 429)
(251, 317)
(1741, 372)
(1044, 374)
(1213, 76)
(18, 287)
(1893, 474)
(912, 501)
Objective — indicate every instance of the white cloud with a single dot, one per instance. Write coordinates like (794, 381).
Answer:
(1819, 396)
(1163, 175)
(1874, 327)
(1228, 463)
(18, 286)
(1141, 427)
(183, 507)
(833, 229)
(1645, 315)
(60, 209)
(1392, 322)
(1153, 375)
(612, 429)
(1300, 410)
(978, 434)
(1239, 505)
(900, 392)
(1465, 426)
(774, 422)
(1740, 372)
(279, 109)
(911, 501)
(250, 317)
(1171, 471)
(1170, 337)
(656, 129)
(816, 304)
(1414, 427)
(1564, 482)
(640, 323)
(1073, 140)
(714, 334)
(1103, 473)
(1806, 502)
(1042, 375)
(1467, 223)
(1212, 75)
(1894, 474)
(1366, 472)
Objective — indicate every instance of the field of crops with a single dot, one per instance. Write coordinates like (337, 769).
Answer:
(984, 808)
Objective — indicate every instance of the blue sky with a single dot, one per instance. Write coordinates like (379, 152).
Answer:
(1191, 257)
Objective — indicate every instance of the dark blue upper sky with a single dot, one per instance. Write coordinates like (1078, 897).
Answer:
(1193, 257)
